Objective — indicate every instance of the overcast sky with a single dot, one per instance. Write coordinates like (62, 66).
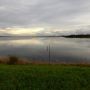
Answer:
(44, 17)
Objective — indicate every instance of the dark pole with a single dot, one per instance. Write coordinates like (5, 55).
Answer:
(49, 54)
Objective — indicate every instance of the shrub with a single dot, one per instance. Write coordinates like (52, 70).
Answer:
(12, 60)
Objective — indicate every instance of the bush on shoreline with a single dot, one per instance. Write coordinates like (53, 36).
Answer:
(13, 60)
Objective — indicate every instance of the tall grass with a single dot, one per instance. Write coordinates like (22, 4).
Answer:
(44, 77)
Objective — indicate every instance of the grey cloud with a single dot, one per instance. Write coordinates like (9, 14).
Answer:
(57, 31)
(53, 13)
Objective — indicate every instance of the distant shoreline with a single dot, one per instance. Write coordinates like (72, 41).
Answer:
(77, 36)
(65, 36)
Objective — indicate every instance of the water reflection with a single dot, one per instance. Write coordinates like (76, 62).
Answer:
(51, 50)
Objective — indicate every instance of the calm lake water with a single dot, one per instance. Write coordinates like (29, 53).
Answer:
(47, 49)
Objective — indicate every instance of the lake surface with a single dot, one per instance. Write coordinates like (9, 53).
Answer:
(47, 49)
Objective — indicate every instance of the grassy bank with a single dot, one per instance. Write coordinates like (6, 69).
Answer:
(44, 77)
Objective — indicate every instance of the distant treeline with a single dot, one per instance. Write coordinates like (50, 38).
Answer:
(78, 36)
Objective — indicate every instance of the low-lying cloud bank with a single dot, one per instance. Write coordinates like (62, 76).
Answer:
(40, 31)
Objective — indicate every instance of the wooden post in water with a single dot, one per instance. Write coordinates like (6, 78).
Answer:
(49, 53)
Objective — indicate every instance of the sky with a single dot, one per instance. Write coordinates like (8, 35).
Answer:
(44, 17)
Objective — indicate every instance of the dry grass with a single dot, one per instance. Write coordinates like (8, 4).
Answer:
(12, 60)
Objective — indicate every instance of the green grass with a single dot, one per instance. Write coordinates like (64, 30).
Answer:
(44, 77)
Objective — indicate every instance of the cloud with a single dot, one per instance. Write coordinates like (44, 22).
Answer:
(62, 14)
(40, 31)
